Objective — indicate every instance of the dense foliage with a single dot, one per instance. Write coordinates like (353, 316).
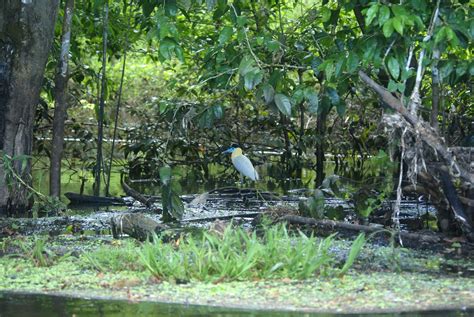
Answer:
(280, 76)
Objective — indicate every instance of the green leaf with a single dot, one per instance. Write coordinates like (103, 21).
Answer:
(165, 174)
(352, 62)
(452, 37)
(333, 96)
(273, 45)
(315, 62)
(440, 35)
(393, 67)
(371, 14)
(252, 79)
(246, 65)
(398, 24)
(298, 95)
(446, 69)
(388, 28)
(329, 70)
(225, 34)
(283, 103)
(325, 14)
(392, 86)
(313, 99)
(241, 21)
(461, 68)
(384, 14)
(169, 48)
(399, 11)
(341, 109)
(268, 93)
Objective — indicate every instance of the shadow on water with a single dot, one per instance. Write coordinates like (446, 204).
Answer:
(49, 305)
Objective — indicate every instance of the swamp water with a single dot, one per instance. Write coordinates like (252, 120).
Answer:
(49, 306)
(17, 304)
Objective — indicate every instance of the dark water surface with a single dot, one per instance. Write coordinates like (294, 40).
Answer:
(49, 305)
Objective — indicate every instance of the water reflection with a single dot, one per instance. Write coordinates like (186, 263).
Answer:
(48, 305)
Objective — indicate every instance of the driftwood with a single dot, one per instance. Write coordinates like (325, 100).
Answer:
(136, 225)
(147, 201)
(329, 226)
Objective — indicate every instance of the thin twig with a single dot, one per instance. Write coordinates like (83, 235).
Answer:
(247, 40)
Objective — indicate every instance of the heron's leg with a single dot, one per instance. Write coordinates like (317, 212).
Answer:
(241, 186)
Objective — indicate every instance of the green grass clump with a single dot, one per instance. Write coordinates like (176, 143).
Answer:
(239, 255)
(119, 257)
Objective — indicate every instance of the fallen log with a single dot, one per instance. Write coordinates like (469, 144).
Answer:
(329, 226)
(147, 201)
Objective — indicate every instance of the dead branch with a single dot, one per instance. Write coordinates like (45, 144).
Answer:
(329, 226)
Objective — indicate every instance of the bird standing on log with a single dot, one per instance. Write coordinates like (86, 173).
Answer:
(242, 163)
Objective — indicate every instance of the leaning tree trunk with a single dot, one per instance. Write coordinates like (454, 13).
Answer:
(26, 34)
(446, 171)
(60, 107)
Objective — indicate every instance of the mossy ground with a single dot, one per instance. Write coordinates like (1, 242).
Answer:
(382, 279)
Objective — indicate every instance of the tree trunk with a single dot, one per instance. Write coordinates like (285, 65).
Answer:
(26, 34)
(320, 157)
(435, 87)
(100, 127)
(60, 108)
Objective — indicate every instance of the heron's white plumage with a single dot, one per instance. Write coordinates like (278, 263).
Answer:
(244, 166)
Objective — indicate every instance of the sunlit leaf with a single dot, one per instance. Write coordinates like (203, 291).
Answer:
(283, 103)
(392, 86)
(329, 70)
(440, 35)
(398, 24)
(384, 14)
(268, 93)
(388, 28)
(371, 14)
(252, 79)
(246, 65)
(325, 14)
(393, 67)
(241, 21)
